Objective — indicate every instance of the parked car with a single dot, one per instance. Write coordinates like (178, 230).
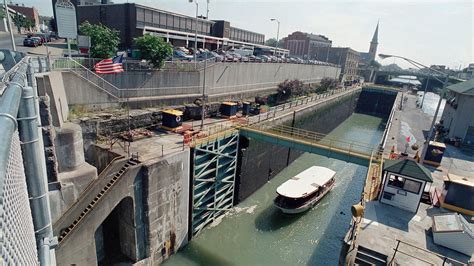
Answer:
(232, 57)
(244, 59)
(218, 57)
(38, 35)
(209, 55)
(266, 58)
(256, 59)
(31, 42)
(39, 39)
(180, 55)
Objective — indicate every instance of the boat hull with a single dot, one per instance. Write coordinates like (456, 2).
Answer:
(310, 204)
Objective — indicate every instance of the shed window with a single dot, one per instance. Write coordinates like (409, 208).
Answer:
(405, 184)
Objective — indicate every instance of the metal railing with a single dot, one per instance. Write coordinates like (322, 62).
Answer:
(349, 147)
(20, 243)
(135, 65)
(271, 113)
(82, 67)
(88, 75)
(436, 258)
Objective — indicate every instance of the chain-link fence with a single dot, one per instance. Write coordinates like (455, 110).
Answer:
(17, 237)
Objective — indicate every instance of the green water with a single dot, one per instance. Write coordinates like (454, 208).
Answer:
(256, 233)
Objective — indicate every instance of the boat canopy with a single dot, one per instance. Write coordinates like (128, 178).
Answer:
(306, 182)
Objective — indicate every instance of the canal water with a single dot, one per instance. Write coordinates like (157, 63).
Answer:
(256, 233)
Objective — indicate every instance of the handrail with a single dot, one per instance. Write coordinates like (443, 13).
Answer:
(254, 120)
(12, 70)
(94, 74)
(310, 135)
(105, 190)
(88, 188)
(444, 258)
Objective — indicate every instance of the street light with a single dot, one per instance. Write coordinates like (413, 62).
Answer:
(203, 104)
(195, 33)
(445, 82)
(10, 28)
(278, 33)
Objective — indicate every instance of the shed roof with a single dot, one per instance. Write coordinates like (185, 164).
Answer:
(173, 112)
(408, 168)
(465, 87)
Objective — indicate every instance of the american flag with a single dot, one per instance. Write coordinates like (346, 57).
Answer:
(110, 65)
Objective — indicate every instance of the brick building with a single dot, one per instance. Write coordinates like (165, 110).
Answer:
(347, 58)
(307, 45)
(29, 12)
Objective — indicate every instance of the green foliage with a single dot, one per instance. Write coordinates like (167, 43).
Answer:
(272, 41)
(288, 89)
(23, 22)
(153, 49)
(326, 84)
(2, 13)
(52, 25)
(104, 41)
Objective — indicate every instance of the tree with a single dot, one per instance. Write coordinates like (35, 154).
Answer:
(153, 49)
(326, 84)
(104, 41)
(289, 88)
(271, 42)
(52, 25)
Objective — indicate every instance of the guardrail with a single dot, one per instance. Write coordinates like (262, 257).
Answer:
(440, 258)
(350, 147)
(271, 113)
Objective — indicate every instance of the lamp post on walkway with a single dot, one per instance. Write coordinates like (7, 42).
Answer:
(203, 104)
(278, 33)
(445, 82)
(195, 33)
(424, 93)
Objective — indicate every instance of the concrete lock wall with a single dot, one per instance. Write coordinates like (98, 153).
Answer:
(166, 205)
(82, 92)
(261, 161)
(229, 78)
(221, 79)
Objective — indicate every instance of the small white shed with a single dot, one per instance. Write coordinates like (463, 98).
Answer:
(404, 183)
(451, 230)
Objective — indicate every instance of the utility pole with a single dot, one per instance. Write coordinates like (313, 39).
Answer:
(203, 107)
(424, 94)
(278, 33)
(207, 10)
(195, 33)
(10, 28)
(430, 135)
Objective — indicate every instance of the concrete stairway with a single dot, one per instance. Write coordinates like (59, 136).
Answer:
(367, 256)
(90, 197)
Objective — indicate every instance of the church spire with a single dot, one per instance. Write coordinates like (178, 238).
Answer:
(375, 38)
(374, 43)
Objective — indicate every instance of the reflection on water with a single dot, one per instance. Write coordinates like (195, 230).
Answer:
(265, 236)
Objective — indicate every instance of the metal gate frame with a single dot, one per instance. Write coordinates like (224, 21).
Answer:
(213, 179)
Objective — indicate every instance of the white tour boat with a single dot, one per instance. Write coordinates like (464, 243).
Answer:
(303, 191)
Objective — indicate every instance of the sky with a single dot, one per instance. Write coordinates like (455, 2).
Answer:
(430, 32)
